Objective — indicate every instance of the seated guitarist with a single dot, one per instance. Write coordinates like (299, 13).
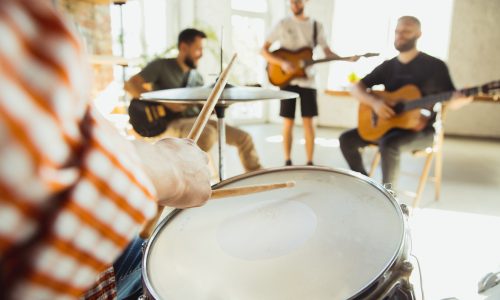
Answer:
(293, 33)
(176, 73)
(411, 66)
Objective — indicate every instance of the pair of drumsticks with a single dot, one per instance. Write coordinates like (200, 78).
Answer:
(194, 135)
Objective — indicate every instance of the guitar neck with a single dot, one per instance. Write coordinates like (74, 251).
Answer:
(316, 61)
(429, 101)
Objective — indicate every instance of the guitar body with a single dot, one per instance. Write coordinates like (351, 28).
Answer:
(372, 128)
(278, 77)
(148, 119)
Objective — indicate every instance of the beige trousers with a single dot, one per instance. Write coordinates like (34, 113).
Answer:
(235, 137)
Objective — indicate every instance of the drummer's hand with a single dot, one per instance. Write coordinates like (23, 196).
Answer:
(287, 67)
(175, 107)
(179, 171)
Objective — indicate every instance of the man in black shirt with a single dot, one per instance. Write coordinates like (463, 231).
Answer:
(411, 66)
(179, 72)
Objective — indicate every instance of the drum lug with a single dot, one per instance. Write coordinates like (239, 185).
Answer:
(401, 278)
(405, 209)
(143, 246)
(406, 270)
(388, 187)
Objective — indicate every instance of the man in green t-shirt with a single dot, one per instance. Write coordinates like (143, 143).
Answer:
(179, 72)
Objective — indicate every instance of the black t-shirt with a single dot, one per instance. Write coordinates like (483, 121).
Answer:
(428, 73)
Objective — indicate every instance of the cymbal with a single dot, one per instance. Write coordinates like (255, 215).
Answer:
(231, 94)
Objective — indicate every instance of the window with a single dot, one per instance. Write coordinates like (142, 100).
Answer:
(361, 26)
(257, 6)
(248, 22)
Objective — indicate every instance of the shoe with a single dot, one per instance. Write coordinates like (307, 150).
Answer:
(288, 162)
(310, 163)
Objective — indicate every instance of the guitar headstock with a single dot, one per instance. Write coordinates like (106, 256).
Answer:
(492, 89)
(370, 54)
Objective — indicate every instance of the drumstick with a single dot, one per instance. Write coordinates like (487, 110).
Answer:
(195, 133)
(246, 190)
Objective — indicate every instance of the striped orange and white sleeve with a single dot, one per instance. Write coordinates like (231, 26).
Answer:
(72, 191)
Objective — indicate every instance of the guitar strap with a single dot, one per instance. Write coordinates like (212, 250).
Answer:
(315, 34)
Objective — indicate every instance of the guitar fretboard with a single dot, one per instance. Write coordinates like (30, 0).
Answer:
(429, 101)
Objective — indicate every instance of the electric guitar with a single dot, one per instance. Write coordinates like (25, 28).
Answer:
(148, 119)
(301, 59)
(406, 103)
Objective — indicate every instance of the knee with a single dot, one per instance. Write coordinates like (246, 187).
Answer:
(345, 140)
(207, 139)
(245, 138)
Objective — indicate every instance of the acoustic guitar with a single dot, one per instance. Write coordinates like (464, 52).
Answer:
(301, 59)
(407, 103)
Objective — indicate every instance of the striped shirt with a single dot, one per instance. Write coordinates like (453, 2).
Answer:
(72, 191)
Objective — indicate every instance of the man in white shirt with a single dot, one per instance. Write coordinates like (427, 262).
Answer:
(293, 33)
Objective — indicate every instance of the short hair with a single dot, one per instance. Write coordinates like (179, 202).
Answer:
(409, 19)
(189, 35)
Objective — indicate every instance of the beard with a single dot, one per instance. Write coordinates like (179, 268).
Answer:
(190, 62)
(408, 45)
(299, 12)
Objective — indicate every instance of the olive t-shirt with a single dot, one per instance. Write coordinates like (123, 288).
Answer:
(165, 73)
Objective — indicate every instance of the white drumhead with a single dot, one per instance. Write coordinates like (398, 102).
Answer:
(329, 237)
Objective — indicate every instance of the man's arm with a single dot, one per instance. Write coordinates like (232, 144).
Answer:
(359, 91)
(457, 100)
(275, 60)
(329, 53)
(136, 85)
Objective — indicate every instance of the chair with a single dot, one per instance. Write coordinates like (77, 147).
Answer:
(435, 151)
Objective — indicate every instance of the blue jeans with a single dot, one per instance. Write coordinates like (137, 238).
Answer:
(128, 271)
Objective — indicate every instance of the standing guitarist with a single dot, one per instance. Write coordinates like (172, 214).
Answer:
(176, 73)
(411, 66)
(293, 33)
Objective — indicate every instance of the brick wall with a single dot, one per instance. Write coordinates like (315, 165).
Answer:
(94, 25)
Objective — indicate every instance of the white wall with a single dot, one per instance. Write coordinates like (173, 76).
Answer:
(474, 59)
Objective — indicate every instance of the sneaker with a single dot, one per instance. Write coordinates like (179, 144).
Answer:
(310, 163)
(288, 162)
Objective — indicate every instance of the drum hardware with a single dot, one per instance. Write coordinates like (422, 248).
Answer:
(405, 209)
(230, 95)
(388, 187)
(402, 286)
(488, 281)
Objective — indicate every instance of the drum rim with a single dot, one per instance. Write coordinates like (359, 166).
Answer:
(145, 277)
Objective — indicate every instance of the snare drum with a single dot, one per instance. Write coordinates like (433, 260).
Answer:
(335, 235)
